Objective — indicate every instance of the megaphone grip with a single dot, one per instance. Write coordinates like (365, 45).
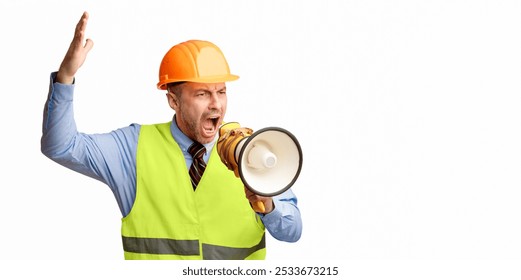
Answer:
(230, 135)
(259, 207)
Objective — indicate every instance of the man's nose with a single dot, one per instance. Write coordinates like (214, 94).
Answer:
(215, 102)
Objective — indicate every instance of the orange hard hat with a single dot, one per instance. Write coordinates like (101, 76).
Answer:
(194, 61)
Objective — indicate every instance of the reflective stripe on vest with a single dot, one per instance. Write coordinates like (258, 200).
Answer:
(214, 252)
(161, 246)
(169, 220)
(188, 248)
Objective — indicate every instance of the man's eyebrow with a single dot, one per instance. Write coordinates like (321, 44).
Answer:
(208, 90)
(201, 90)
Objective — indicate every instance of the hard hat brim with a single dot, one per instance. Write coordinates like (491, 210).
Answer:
(206, 80)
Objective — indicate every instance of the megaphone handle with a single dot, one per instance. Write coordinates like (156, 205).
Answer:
(259, 207)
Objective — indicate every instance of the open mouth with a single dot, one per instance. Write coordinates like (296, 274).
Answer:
(210, 125)
(215, 121)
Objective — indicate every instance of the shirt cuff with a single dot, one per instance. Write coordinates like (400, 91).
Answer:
(53, 79)
(61, 92)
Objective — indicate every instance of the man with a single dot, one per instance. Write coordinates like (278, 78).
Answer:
(167, 212)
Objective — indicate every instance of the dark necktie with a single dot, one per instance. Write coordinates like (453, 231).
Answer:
(197, 151)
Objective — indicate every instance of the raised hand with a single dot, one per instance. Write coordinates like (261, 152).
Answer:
(76, 54)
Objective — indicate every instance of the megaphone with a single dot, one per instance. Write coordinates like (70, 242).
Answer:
(268, 161)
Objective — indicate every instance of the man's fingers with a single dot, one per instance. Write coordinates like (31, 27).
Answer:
(79, 32)
(79, 41)
(82, 23)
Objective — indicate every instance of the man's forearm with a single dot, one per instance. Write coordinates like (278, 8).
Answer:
(284, 222)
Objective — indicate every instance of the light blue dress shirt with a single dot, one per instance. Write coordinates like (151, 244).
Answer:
(111, 159)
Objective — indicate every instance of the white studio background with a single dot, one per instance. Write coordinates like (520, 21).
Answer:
(421, 100)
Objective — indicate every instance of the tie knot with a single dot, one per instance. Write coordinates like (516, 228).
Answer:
(197, 150)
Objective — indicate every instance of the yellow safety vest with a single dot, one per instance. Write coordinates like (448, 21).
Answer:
(169, 220)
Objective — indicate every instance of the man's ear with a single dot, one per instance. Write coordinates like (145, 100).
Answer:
(172, 100)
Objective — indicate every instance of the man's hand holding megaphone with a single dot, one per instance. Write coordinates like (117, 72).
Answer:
(268, 161)
(230, 135)
(260, 204)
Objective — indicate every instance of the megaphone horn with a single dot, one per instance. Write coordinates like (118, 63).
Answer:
(268, 161)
